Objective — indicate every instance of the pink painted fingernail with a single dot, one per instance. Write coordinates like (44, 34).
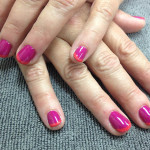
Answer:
(5, 48)
(26, 54)
(53, 118)
(144, 114)
(80, 53)
(119, 122)
(139, 17)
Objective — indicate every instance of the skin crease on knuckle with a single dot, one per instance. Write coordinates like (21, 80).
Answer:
(34, 3)
(126, 49)
(75, 72)
(106, 63)
(106, 11)
(67, 5)
(35, 73)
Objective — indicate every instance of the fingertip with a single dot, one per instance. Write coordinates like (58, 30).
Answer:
(129, 23)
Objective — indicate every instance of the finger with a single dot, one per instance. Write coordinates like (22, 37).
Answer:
(18, 23)
(48, 25)
(98, 22)
(87, 89)
(5, 7)
(129, 23)
(130, 56)
(75, 25)
(46, 102)
(107, 67)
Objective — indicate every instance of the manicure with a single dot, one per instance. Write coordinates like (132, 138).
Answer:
(53, 118)
(5, 48)
(119, 122)
(139, 17)
(144, 114)
(80, 53)
(26, 54)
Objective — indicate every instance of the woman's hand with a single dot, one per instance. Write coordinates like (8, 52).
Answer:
(33, 24)
(106, 66)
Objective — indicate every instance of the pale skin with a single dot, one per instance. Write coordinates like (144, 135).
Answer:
(30, 21)
(106, 63)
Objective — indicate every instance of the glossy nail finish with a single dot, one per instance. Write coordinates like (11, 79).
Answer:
(119, 122)
(53, 118)
(26, 54)
(5, 48)
(144, 114)
(139, 17)
(80, 53)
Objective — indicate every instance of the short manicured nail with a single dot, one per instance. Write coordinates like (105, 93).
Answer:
(80, 53)
(139, 17)
(119, 122)
(53, 118)
(26, 54)
(144, 114)
(5, 48)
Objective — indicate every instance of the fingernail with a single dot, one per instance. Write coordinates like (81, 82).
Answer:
(53, 118)
(80, 53)
(139, 17)
(5, 48)
(144, 114)
(119, 122)
(26, 54)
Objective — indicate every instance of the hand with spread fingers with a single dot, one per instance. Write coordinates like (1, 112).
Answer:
(29, 26)
(115, 57)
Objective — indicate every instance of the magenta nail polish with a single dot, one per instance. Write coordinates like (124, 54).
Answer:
(26, 54)
(139, 17)
(5, 48)
(119, 122)
(80, 53)
(144, 114)
(53, 118)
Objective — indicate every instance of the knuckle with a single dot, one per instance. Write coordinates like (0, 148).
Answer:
(98, 100)
(131, 94)
(13, 26)
(42, 34)
(33, 2)
(74, 71)
(93, 33)
(40, 97)
(127, 48)
(35, 73)
(107, 62)
(65, 4)
(105, 12)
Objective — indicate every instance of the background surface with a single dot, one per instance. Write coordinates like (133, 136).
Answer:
(22, 129)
